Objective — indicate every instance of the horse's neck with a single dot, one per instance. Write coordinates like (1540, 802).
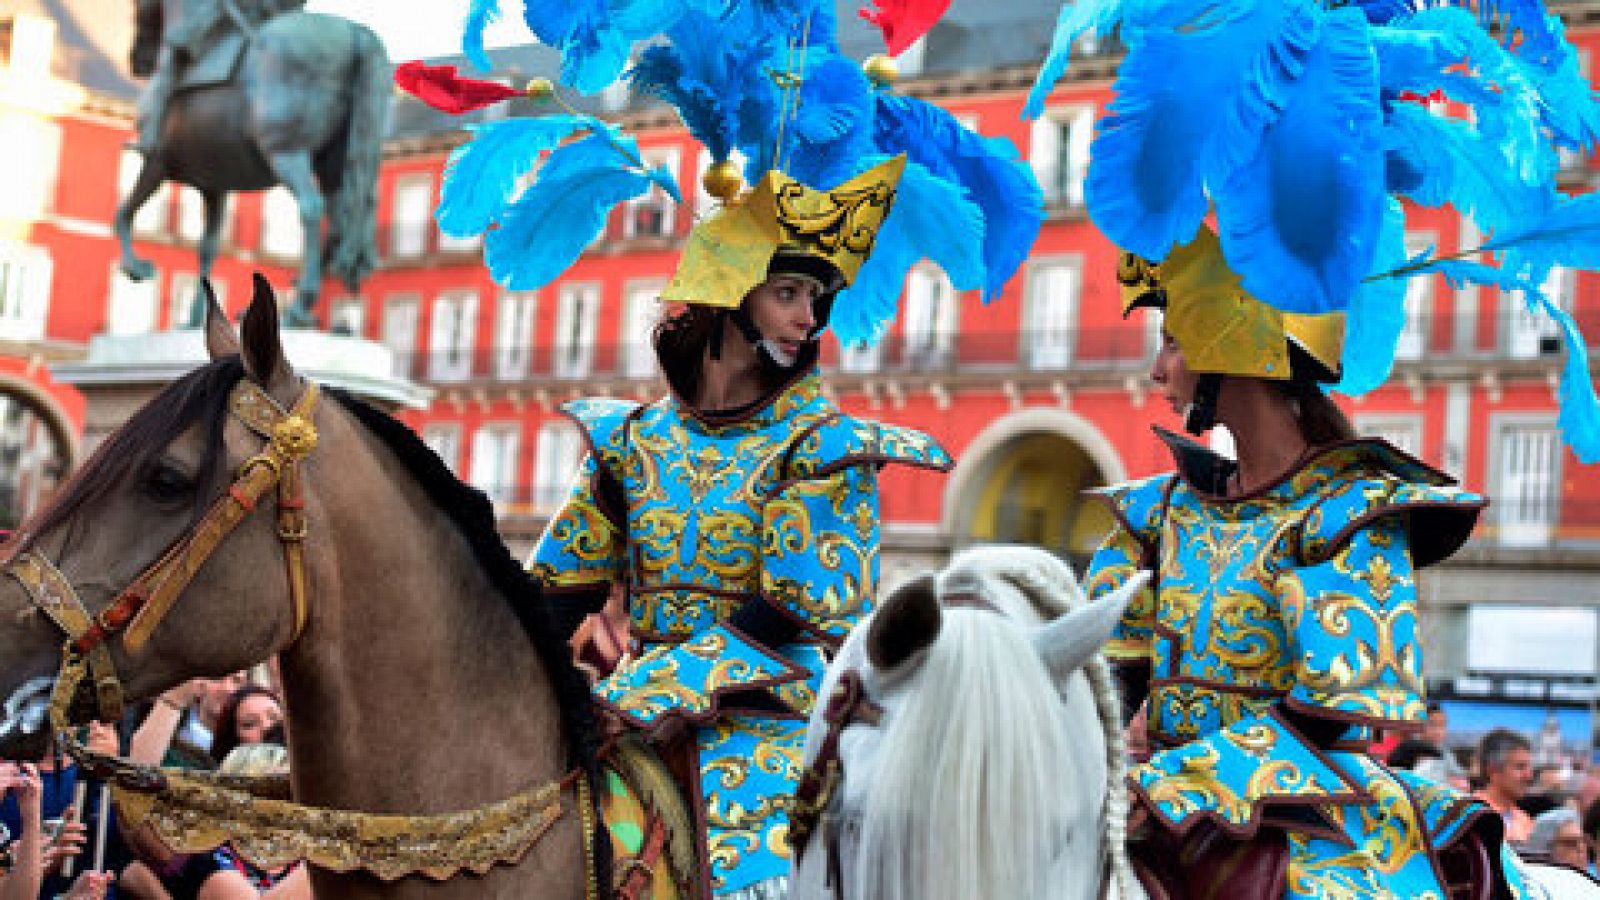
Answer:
(415, 689)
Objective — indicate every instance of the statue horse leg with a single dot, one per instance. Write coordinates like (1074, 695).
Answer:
(151, 175)
(210, 244)
(294, 169)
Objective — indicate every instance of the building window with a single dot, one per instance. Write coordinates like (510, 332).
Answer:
(494, 462)
(1413, 340)
(151, 219)
(577, 310)
(641, 311)
(186, 307)
(33, 147)
(348, 316)
(454, 333)
(1059, 153)
(25, 274)
(861, 359)
(1404, 433)
(555, 462)
(33, 41)
(281, 234)
(1527, 457)
(412, 218)
(1531, 333)
(513, 335)
(930, 319)
(133, 304)
(652, 215)
(400, 321)
(445, 442)
(1052, 291)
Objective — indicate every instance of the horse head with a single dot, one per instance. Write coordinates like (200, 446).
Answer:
(985, 764)
(133, 530)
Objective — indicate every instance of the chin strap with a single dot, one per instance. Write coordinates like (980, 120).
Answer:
(1202, 413)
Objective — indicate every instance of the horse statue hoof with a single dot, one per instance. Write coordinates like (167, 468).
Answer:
(139, 269)
(299, 315)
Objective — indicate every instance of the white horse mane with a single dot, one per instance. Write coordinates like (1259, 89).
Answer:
(978, 747)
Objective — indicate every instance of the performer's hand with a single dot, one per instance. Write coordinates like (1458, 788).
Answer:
(89, 886)
(67, 842)
(1138, 815)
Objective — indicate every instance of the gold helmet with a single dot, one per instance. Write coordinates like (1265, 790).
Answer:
(1220, 328)
(783, 225)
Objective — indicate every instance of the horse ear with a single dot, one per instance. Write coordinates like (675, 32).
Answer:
(1065, 644)
(905, 624)
(221, 339)
(263, 344)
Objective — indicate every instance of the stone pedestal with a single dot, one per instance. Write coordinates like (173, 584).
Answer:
(121, 373)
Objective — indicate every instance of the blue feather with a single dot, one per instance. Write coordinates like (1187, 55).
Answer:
(1300, 222)
(931, 218)
(705, 77)
(482, 174)
(1566, 235)
(1580, 409)
(1075, 19)
(832, 129)
(1190, 108)
(479, 15)
(1377, 314)
(561, 214)
(1452, 163)
(989, 169)
(593, 51)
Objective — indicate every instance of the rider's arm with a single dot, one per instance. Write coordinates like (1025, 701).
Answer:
(582, 550)
(1131, 546)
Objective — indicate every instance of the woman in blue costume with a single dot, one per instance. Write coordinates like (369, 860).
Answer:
(1281, 630)
(739, 513)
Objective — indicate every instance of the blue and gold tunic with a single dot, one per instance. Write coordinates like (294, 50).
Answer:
(1293, 605)
(698, 520)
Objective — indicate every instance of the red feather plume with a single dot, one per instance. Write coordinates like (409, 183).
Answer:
(903, 21)
(441, 88)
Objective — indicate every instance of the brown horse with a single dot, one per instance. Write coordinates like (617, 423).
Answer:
(424, 678)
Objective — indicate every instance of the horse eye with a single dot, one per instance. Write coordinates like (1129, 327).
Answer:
(168, 484)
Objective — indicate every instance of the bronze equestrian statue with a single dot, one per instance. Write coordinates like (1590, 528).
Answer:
(249, 94)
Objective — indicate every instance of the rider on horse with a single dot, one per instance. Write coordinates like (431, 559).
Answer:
(1282, 631)
(192, 53)
(740, 513)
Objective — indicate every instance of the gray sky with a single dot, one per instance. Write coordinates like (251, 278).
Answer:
(413, 29)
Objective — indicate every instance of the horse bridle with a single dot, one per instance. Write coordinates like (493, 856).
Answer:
(139, 608)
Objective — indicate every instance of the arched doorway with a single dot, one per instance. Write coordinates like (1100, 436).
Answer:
(37, 450)
(1022, 481)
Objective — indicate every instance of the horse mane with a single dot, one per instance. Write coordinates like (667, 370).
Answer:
(984, 722)
(473, 515)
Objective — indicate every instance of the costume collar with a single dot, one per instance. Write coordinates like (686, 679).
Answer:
(1207, 472)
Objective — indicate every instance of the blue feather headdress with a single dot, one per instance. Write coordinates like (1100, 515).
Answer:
(759, 79)
(1300, 123)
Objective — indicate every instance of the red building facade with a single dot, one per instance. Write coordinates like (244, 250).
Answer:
(1039, 394)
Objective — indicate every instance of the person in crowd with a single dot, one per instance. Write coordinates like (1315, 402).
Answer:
(1505, 765)
(246, 718)
(29, 855)
(1558, 835)
(1279, 573)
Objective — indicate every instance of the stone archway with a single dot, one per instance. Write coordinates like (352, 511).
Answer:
(1021, 481)
(38, 448)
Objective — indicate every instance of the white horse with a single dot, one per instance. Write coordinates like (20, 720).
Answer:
(995, 767)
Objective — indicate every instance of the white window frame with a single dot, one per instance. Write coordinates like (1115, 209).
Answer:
(182, 289)
(444, 439)
(557, 455)
(33, 42)
(1050, 332)
(33, 151)
(151, 219)
(26, 272)
(930, 319)
(282, 236)
(1413, 342)
(1527, 504)
(453, 335)
(348, 315)
(402, 319)
(513, 334)
(500, 484)
(861, 359)
(411, 216)
(1532, 335)
(132, 307)
(1059, 147)
(577, 316)
(641, 307)
(1403, 431)
(655, 198)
